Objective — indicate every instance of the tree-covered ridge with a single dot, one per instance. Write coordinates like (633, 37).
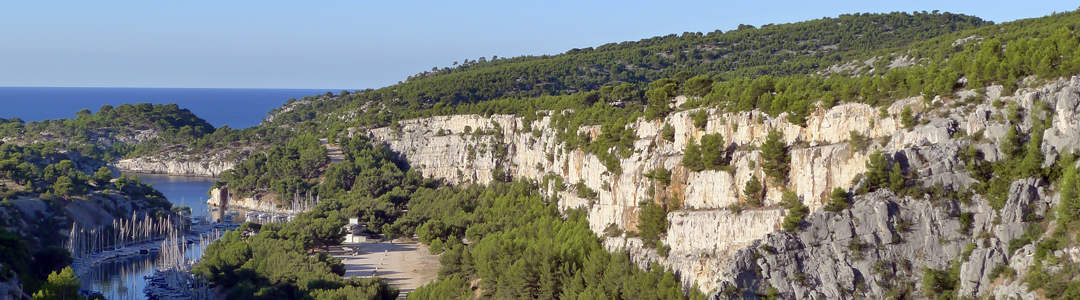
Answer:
(778, 50)
(369, 183)
(50, 171)
(748, 51)
(113, 132)
(284, 170)
(169, 119)
(1044, 47)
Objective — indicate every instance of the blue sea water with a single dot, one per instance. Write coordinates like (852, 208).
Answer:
(237, 108)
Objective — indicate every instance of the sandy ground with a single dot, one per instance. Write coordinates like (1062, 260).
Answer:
(404, 265)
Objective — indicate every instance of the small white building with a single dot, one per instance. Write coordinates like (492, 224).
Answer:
(357, 233)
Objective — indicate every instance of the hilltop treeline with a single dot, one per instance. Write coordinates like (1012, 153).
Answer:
(778, 50)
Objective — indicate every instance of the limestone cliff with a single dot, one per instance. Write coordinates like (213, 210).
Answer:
(174, 163)
(704, 236)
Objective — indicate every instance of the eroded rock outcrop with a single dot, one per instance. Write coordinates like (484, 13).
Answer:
(880, 245)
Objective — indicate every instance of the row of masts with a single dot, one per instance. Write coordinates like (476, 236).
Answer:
(174, 249)
(296, 206)
(173, 278)
(83, 242)
(301, 205)
(267, 212)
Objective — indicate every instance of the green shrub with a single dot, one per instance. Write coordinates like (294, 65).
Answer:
(701, 119)
(692, 157)
(907, 118)
(652, 223)
(858, 142)
(775, 154)
(797, 211)
(668, 133)
(662, 249)
(713, 152)
(966, 220)
(583, 191)
(838, 200)
(754, 192)
(1001, 269)
(613, 230)
(660, 174)
(735, 208)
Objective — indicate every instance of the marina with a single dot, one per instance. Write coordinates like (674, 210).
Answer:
(146, 258)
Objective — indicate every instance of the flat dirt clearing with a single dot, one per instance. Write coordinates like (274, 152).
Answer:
(404, 265)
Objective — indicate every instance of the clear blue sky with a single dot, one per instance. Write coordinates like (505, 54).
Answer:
(360, 44)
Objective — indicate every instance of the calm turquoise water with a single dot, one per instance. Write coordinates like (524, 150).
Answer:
(237, 108)
(123, 278)
(187, 191)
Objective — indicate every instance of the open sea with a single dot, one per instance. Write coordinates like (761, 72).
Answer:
(237, 108)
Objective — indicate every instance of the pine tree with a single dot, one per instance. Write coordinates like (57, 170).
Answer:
(1031, 166)
(775, 154)
(60, 286)
(668, 133)
(701, 119)
(712, 151)
(838, 200)
(652, 222)
(754, 191)
(659, 96)
(907, 118)
(797, 211)
(692, 157)
(896, 178)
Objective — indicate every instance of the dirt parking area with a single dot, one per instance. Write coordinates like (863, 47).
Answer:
(404, 265)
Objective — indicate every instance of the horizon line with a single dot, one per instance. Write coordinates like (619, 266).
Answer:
(161, 87)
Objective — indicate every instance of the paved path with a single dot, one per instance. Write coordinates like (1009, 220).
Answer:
(333, 151)
(405, 266)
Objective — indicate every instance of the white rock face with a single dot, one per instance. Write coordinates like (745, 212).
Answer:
(710, 230)
(452, 149)
(174, 165)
